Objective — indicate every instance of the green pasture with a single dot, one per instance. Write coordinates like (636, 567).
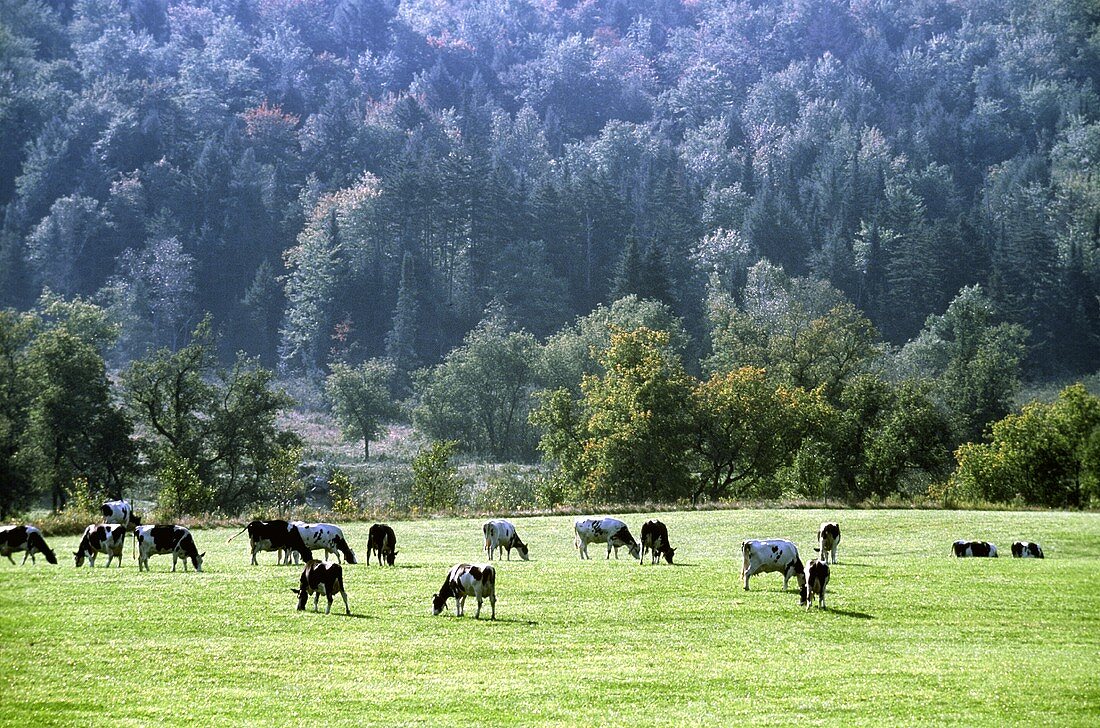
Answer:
(912, 636)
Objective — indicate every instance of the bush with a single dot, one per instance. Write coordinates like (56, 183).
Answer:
(436, 484)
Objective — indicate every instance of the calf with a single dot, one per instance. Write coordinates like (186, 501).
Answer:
(324, 536)
(464, 580)
(175, 540)
(828, 538)
(773, 554)
(500, 534)
(119, 511)
(321, 577)
(24, 538)
(977, 549)
(1020, 550)
(101, 539)
(274, 535)
(815, 579)
(611, 531)
(382, 541)
(655, 539)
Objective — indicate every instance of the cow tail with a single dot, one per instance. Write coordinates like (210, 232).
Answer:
(238, 533)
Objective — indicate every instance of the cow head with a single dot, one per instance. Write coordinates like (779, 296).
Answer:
(524, 551)
(303, 595)
(135, 520)
(197, 561)
(668, 553)
(390, 557)
(803, 594)
(79, 558)
(798, 570)
(439, 603)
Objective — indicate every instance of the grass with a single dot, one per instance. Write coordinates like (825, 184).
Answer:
(912, 636)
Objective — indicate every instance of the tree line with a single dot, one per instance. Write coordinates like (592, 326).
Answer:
(340, 180)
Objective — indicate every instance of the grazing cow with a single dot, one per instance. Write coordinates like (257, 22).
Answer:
(382, 541)
(500, 534)
(1020, 550)
(611, 531)
(175, 540)
(274, 535)
(773, 554)
(816, 577)
(323, 536)
(119, 511)
(106, 539)
(321, 577)
(655, 538)
(828, 538)
(464, 580)
(977, 549)
(24, 538)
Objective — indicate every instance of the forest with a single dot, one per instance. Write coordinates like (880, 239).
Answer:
(670, 249)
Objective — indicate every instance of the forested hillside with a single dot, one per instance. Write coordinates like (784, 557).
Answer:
(681, 248)
(357, 177)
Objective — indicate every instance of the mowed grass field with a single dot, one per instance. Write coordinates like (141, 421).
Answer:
(912, 636)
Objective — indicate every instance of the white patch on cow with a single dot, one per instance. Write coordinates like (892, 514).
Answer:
(773, 554)
(320, 536)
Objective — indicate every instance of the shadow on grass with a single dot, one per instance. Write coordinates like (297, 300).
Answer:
(845, 613)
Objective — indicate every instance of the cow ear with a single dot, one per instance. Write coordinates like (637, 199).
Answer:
(817, 549)
(202, 555)
(297, 591)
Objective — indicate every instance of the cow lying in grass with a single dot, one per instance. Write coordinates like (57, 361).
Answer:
(321, 577)
(24, 538)
(976, 549)
(1020, 550)
(465, 580)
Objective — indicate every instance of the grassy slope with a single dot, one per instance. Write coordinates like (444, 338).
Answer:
(913, 636)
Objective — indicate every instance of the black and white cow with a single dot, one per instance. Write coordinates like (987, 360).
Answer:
(276, 535)
(655, 539)
(119, 511)
(977, 549)
(323, 536)
(465, 580)
(815, 579)
(772, 554)
(101, 539)
(24, 538)
(382, 541)
(170, 539)
(321, 577)
(500, 534)
(1024, 550)
(828, 538)
(611, 531)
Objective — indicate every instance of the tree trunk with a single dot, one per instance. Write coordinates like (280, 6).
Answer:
(366, 449)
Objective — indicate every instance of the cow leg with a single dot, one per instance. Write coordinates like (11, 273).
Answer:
(175, 559)
(254, 562)
(344, 594)
(328, 607)
(493, 603)
(10, 559)
(477, 614)
(745, 576)
(822, 596)
(609, 551)
(24, 562)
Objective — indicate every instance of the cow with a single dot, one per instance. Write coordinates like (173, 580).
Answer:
(1020, 550)
(323, 536)
(120, 511)
(500, 534)
(655, 539)
(103, 538)
(611, 531)
(773, 554)
(465, 580)
(321, 577)
(167, 539)
(274, 535)
(978, 549)
(828, 538)
(383, 541)
(815, 579)
(24, 538)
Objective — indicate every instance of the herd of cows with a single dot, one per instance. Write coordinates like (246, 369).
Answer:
(294, 539)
